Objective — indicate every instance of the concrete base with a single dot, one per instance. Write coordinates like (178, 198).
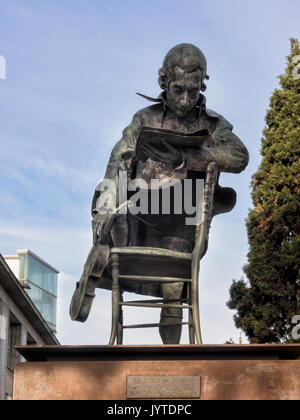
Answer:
(227, 372)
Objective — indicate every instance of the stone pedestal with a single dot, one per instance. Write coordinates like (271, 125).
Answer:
(207, 372)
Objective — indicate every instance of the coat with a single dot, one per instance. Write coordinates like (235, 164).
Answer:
(222, 146)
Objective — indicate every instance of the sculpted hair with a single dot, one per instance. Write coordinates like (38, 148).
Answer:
(181, 59)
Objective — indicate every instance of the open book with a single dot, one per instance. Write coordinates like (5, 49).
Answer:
(159, 142)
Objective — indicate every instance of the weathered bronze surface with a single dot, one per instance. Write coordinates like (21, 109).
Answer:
(178, 112)
(168, 387)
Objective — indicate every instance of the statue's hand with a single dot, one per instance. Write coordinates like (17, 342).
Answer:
(100, 219)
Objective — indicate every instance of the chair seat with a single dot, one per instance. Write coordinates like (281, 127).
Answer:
(150, 251)
(137, 261)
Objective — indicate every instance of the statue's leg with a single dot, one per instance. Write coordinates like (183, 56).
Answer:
(171, 334)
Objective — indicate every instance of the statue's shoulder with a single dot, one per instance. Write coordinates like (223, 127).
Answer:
(221, 122)
(150, 113)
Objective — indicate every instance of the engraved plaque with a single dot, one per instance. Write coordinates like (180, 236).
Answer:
(167, 387)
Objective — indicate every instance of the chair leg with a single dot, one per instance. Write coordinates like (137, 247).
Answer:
(115, 298)
(120, 321)
(195, 310)
(191, 327)
(190, 319)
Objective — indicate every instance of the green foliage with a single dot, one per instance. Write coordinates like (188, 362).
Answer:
(269, 301)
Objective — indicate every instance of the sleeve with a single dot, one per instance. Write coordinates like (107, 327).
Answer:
(124, 151)
(121, 159)
(226, 149)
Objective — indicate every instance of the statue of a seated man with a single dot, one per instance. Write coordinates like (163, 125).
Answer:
(179, 108)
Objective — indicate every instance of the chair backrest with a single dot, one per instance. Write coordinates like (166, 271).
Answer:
(205, 212)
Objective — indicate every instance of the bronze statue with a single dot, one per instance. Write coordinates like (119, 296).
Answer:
(179, 109)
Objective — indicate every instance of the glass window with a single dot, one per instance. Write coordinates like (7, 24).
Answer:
(41, 275)
(43, 286)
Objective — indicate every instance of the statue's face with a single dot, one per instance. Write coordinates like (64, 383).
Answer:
(183, 93)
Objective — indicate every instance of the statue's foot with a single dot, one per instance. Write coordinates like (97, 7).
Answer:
(170, 334)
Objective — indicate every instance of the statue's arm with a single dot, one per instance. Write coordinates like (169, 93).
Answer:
(226, 149)
(121, 159)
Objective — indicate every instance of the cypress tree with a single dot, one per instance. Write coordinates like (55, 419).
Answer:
(270, 299)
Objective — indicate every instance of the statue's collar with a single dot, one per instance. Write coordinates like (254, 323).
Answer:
(201, 105)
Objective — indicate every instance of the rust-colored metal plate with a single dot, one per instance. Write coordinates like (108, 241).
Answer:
(163, 387)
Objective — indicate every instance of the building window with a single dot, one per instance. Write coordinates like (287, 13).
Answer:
(42, 282)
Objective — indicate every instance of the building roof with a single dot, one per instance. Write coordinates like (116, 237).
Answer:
(14, 289)
(32, 254)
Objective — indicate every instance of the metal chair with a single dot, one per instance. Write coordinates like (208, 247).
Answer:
(129, 264)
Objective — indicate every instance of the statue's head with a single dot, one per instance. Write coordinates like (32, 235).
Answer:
(182, 77)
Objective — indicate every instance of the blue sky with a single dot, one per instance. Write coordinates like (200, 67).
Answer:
(73, 67)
